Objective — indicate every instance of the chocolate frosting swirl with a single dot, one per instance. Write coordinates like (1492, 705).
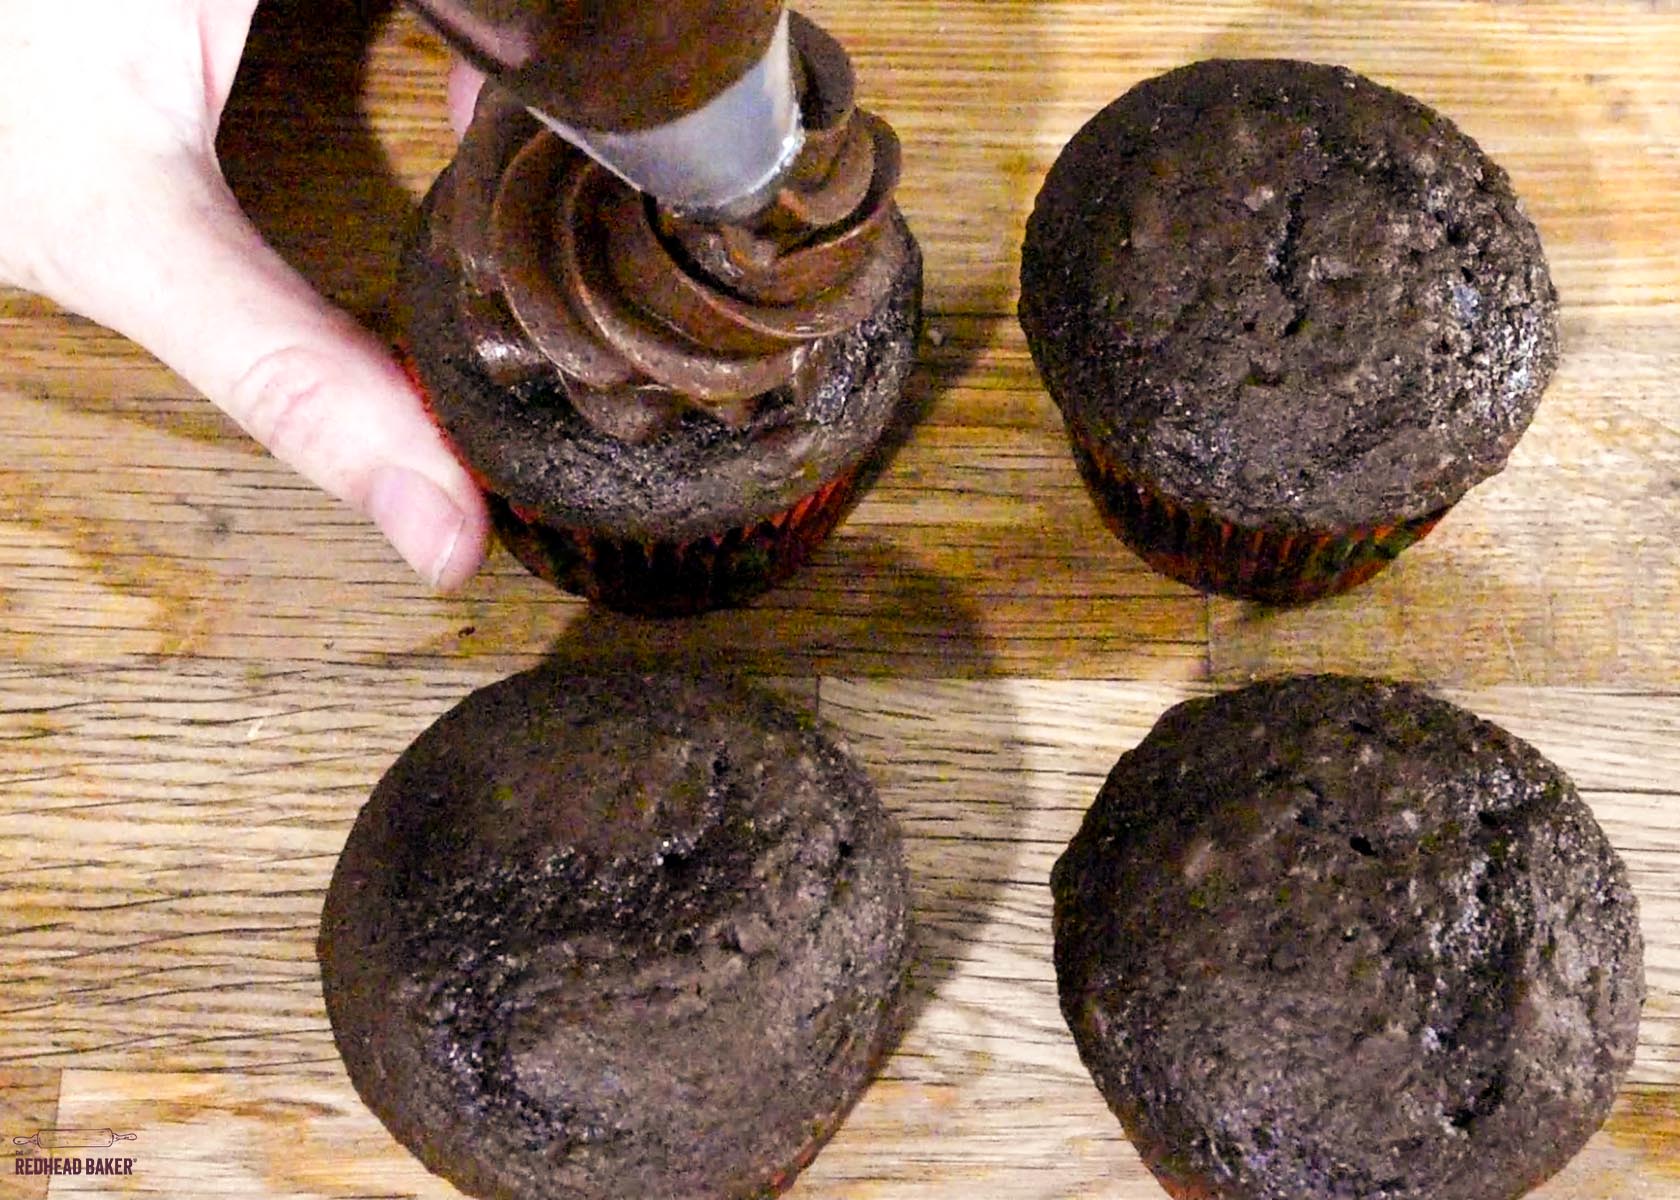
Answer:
(642, 314)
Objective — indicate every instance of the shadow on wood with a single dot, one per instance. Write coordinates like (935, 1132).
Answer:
(302, 157)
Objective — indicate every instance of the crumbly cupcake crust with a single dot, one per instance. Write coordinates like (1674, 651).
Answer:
(1328, 937)
(1288, 297)
(600, 937)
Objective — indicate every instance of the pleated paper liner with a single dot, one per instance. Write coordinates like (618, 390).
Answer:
(669, 578)
(665, 578)
(1272, 566)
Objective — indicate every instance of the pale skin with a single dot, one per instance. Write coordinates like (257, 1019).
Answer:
(116, 208)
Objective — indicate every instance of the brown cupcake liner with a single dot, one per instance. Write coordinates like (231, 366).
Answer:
(1251, 563)
(676, 578)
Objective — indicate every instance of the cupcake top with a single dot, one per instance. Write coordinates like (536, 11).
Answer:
(1284, 295)
(603, 361)
(1334, 937)
(527, 442)
(604, 937)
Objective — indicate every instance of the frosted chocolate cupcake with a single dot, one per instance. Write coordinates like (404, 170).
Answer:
(1330, 937)
(667, 414)
(1290, 318)
(599, 938)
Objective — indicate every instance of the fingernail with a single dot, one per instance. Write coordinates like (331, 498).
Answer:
(419, 519)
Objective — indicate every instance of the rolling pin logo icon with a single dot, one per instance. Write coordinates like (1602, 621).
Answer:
(74, 1139)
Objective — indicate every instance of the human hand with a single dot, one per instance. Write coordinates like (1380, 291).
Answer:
(115, 207)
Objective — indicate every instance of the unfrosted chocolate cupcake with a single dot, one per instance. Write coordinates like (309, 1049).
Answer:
(1330, 937)
(1290, 318)
(600, 938)
(667, 413)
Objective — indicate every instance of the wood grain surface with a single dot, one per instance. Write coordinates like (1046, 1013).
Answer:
(206, 664)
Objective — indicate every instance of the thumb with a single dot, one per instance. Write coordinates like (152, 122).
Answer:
(197, 285)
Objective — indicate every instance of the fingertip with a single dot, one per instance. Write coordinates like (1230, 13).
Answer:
(465, 80)
(443, 537)
(465, 553)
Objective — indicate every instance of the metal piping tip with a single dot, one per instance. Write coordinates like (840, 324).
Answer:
(723, 161)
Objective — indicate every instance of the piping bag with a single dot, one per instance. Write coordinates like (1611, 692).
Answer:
(691, 101)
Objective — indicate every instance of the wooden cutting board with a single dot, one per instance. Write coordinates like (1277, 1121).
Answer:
(207, 664)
